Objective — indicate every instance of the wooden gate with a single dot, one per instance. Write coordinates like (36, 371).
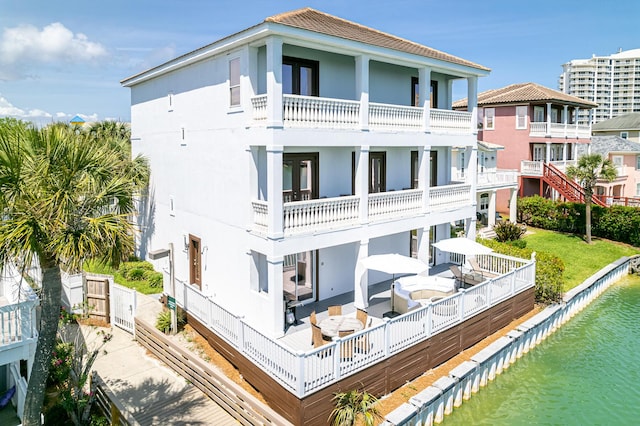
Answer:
(97, 295)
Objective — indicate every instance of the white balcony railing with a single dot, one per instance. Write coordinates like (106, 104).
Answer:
(559, 130)
(442, 119)
(497, 178)
(329, 113)
(306, 217)
(531, 168)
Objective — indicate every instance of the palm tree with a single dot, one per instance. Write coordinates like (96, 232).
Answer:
(63, 200)
(352, 405)
(587, 172)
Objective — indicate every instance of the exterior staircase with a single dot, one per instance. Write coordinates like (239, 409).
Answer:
(569, 189)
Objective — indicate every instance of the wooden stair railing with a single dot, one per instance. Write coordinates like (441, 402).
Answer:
(569, 189)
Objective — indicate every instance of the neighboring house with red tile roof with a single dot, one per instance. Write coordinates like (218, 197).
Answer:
(537, 127)
(282, 156)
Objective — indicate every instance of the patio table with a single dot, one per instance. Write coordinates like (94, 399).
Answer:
(333, 324)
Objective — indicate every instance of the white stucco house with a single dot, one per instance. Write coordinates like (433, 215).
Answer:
(282, 154)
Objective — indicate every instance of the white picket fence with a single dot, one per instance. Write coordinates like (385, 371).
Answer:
(122, 300)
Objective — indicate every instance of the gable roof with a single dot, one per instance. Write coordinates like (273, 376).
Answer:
(525, 93)
(608, 144)
(622, 122)
(313, 20)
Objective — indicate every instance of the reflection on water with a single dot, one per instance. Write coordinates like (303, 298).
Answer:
(587, 372)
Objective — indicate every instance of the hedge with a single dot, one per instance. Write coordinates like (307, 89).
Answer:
(549, 269)
(617, 223)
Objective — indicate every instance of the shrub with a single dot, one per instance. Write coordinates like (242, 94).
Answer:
(549, 269)
(135, 271)
(153, 278)
(163, 322)
(353, 405)
(509, 231)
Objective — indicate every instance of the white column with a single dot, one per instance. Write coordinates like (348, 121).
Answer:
(362, 89)
(472, 166)
(362, 181)
(361, 281)
(492, 209)
(424, 171)
(274, 191)
(577, 110)
(513, 205)
(423, 244)
(548, 119)
(548, 152)
(472, 101)
(274, 82)
(276, 294)
(424, 95)
(564, 153)
(566, 120)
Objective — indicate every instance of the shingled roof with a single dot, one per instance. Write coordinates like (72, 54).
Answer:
(323, 23)
(606, 144)
(622, 122)
(525, 93)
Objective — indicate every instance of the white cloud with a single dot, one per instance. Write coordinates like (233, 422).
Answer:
(38, 116)
(25, 46)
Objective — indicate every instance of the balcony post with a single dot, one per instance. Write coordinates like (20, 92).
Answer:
(423, 244)
(548, 132)
(547, 156)
(362, 89)
(274, 82)
(473, 171)
(492, 209)
(472, 102)
(424, 96)
(566, 120)
(424, 172)
(360, 293)
(513, 205)
(274, 192)
(362, 181)
(577, 110)
(275, 291)
(564, 153)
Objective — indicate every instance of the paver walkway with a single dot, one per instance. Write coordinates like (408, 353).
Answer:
(153, 393)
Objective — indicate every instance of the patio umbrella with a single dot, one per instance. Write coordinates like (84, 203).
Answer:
(391, 263)
(463, 246)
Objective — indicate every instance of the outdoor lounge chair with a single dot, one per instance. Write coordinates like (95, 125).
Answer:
(312, 318)
(316, 336)
(362, 316)
(465, 279)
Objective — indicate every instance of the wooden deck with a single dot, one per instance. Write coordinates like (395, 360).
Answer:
(298, 336)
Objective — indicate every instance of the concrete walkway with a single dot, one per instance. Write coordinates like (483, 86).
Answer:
(153, 393)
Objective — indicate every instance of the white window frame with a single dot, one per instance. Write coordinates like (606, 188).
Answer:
(484, 201)
(617, 160)
(538, 112)
(637, 162)
(489, 117)
(638, 188)
(624, 135)
(521, 115)
(235, 92)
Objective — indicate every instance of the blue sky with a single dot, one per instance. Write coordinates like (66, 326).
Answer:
(62, 58)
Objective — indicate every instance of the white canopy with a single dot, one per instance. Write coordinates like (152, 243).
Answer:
(463, 246)
(391, 263)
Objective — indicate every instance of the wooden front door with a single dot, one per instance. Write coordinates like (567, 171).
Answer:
(195, 261)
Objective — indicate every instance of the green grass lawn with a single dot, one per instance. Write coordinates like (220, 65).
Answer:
(581, 260)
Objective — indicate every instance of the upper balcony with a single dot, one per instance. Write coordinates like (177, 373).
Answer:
(312, 216)
(493, 179)
(327, 113)
(559, 130)
(17, 314)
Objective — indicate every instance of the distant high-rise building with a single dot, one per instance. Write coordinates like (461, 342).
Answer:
(613, 82)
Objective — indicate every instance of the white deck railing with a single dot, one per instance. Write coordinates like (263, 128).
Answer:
(395, 117)
(531, 168)
(448, 120)
(18, 312)
(303, 373)
(559, 130)
(303, 217)
(397, 204)
(497, 178)
(330, 113)
(316, 112)
(447, 197)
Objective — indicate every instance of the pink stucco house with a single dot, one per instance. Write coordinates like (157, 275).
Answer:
(537, 128)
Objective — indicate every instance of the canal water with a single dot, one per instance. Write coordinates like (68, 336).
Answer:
(586, 373)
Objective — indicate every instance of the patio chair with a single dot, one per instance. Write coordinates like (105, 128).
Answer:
(312, 318)
(362, 316)
(316, 336)
(335, 310)
(474, 266)
(346, 348)
(457, 274)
